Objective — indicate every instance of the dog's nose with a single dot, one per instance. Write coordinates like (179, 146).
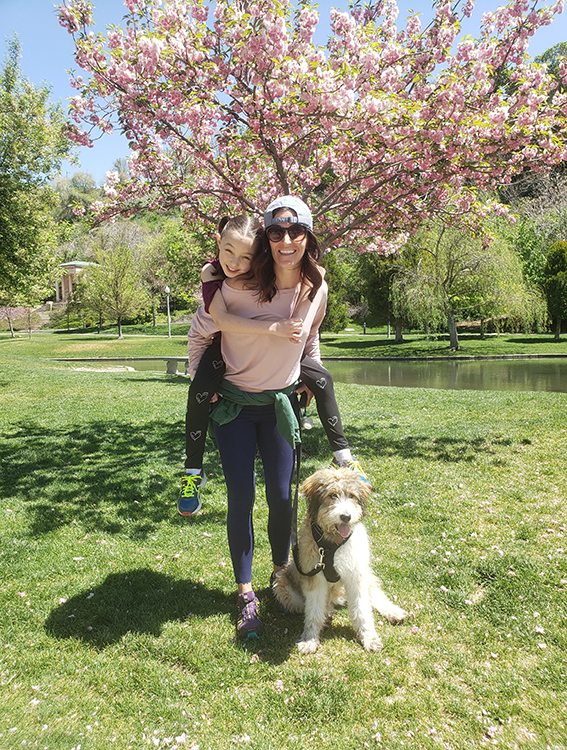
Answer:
(345, 517)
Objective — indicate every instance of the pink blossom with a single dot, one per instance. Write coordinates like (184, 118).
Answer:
(234, 112)
(68, 19)
(413, 25)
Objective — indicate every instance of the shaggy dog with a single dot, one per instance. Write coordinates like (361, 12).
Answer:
(336, 500)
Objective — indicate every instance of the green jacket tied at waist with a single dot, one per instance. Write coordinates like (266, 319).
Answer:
(233, 399)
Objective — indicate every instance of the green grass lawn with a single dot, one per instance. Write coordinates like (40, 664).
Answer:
(117, 615)
(144, 341)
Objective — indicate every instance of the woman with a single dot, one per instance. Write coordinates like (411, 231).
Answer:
(255, 411)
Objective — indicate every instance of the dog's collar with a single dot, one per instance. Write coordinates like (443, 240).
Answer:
(327, 551)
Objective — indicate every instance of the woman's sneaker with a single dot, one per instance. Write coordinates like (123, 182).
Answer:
(248, 624)
(353, 465)
(189, 501)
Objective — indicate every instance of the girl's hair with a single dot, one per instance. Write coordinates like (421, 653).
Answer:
(262, 267)
(243, 224)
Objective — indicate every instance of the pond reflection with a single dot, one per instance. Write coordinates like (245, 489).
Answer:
(481, 375)
(478, 375)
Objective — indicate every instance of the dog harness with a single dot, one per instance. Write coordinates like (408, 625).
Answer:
(327, 551)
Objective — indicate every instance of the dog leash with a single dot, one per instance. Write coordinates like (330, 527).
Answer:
(324, 564)
(294, 543)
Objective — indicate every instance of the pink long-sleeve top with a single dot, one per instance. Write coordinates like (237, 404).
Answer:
(262, 362)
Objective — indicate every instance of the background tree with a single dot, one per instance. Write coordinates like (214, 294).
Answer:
(554, 58)
(32, 146)
(74, 193)
(336, 317)
(114, 287)
(174, 257)
(541, 223)
(228, 104)
(28, 240)
(11, 314)
(376, 273)
(445, 274)
(555, 284)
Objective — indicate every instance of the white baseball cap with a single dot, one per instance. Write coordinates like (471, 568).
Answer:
(294, 204)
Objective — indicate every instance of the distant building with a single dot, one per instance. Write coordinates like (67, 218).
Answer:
(64, 286)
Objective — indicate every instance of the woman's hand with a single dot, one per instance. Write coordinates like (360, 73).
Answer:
(304, 389)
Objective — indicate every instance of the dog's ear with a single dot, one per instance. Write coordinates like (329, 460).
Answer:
(364, 493)
(311, 490)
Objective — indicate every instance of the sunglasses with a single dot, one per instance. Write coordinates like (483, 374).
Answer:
(277, 233)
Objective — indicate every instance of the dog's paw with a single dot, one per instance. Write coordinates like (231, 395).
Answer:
(308, 646)
(395, 614)
(371, 642)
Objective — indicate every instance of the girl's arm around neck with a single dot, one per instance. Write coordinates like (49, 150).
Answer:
(286, 328)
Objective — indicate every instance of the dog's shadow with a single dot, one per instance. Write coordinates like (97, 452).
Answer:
(137, 601)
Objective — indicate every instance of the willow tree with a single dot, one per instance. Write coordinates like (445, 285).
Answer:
(446, 274)
(555, 284)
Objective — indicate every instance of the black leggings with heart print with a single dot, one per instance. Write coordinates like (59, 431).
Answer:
(206, 383)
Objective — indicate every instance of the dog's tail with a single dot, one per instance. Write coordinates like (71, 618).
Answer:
(287, 592)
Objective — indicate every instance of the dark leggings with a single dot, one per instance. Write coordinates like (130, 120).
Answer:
(207, 380)
(204, 385)
(320, 383)
(254, 427)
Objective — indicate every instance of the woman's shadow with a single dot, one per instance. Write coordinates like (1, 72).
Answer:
(137, 601)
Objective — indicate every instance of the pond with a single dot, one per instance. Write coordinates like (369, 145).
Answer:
(478, 375)
(536, 374)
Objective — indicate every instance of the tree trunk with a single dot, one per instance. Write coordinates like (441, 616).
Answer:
(482, 328)
(154, 323)
(99, 322)
(11, 327)
(558, 328)
(399, 333)
(120, 334)
(453, 336)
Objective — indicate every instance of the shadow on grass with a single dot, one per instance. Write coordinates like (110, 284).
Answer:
(143, 601)
(410, 346)
(113, 477)
(179, 329)
(138, 601)
(110, 477)
(428, 447)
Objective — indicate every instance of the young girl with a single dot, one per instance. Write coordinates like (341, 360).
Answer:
(236, 242)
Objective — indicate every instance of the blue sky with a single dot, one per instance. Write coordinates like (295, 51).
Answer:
(47, 53)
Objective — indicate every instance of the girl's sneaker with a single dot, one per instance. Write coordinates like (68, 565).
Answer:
(248, 624)
(189, 501)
